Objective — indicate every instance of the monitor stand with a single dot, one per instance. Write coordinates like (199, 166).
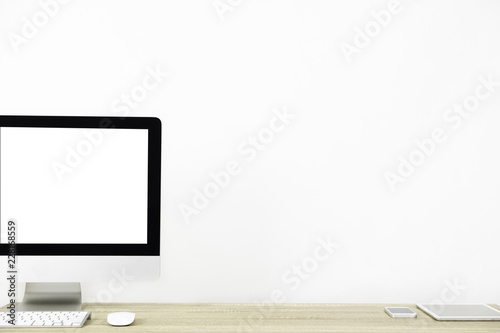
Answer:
(52, 296)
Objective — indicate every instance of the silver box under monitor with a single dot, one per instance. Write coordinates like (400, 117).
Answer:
(460, 311)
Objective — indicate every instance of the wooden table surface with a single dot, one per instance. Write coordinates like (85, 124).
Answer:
(289, 318)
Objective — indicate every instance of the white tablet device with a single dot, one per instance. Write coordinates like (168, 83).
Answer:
(460, 311)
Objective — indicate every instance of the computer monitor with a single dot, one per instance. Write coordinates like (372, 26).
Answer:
(84, 194)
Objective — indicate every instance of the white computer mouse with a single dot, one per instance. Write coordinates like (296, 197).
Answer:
(121, 318)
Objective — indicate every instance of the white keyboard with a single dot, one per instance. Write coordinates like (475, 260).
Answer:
(45, 318)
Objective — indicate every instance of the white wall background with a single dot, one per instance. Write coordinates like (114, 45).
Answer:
(323, 175)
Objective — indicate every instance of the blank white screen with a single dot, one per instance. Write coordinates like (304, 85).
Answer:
(74, 185)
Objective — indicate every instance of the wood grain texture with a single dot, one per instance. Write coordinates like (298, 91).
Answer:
(274, 318)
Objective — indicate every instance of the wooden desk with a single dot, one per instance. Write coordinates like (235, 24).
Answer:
(289, 318)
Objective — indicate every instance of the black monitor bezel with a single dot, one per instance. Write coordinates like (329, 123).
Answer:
(153, 125)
